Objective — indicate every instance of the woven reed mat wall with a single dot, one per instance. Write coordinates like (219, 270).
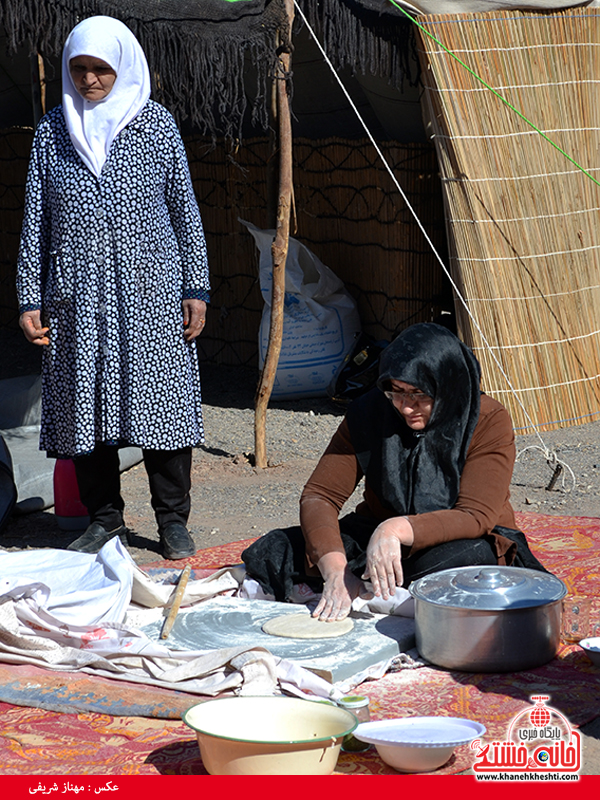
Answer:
(522, 220)
(348, 213)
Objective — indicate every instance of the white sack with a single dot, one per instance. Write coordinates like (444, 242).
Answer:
(320, 319)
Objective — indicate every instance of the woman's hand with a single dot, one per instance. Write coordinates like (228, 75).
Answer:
(31, 325)
(194, 318)
(339, 590)
(384, 556)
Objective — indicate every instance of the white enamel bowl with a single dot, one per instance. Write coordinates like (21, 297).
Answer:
(591, 647)
(269, 735)
(418, 744)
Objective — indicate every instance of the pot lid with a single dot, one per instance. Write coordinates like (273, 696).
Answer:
(489, 588)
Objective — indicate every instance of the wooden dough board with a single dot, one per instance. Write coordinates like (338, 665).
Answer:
(230, 621)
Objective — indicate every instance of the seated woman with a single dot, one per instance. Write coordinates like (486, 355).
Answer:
(437, 456)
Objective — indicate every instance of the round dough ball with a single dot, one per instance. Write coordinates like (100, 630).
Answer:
(303, 626)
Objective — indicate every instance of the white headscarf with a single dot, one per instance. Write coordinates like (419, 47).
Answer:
(93, 125)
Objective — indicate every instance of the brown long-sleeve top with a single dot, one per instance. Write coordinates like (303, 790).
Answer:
(483, 501)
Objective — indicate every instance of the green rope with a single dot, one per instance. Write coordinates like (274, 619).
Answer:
(498, 95)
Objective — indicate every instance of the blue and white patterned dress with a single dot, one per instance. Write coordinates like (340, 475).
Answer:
(109, 261)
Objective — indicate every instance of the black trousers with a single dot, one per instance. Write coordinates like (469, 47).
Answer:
(169, 476)
(277, 561)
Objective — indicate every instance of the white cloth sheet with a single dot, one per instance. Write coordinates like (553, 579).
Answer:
(66, 611)
(76, 588)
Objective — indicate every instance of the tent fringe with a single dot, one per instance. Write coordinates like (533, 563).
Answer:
(365, 40)
(198, 53)
(195, 72)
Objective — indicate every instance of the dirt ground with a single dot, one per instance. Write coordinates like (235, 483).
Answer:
(232, 501)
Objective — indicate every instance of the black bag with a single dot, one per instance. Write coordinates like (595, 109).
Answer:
(358, 371)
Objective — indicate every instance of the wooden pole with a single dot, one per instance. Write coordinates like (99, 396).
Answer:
(38, 86)
(273, 162)
(279, 248)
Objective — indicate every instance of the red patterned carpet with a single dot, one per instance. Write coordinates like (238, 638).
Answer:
(35, 741)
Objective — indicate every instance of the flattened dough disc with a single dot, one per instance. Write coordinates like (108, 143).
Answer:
(303, 626)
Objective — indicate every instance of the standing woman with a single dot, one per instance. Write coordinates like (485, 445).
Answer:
(113, 283)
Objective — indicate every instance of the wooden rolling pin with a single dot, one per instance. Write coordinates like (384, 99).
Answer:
(183, 579)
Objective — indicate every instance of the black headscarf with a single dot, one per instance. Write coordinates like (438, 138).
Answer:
(413, 472)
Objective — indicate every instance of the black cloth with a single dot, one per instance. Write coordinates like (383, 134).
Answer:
(366, 36)
(521, 555)
(169, 477)
(413, 472)
(277, 560)
(198, 52)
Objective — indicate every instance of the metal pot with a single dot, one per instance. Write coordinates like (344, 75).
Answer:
(488, 619)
